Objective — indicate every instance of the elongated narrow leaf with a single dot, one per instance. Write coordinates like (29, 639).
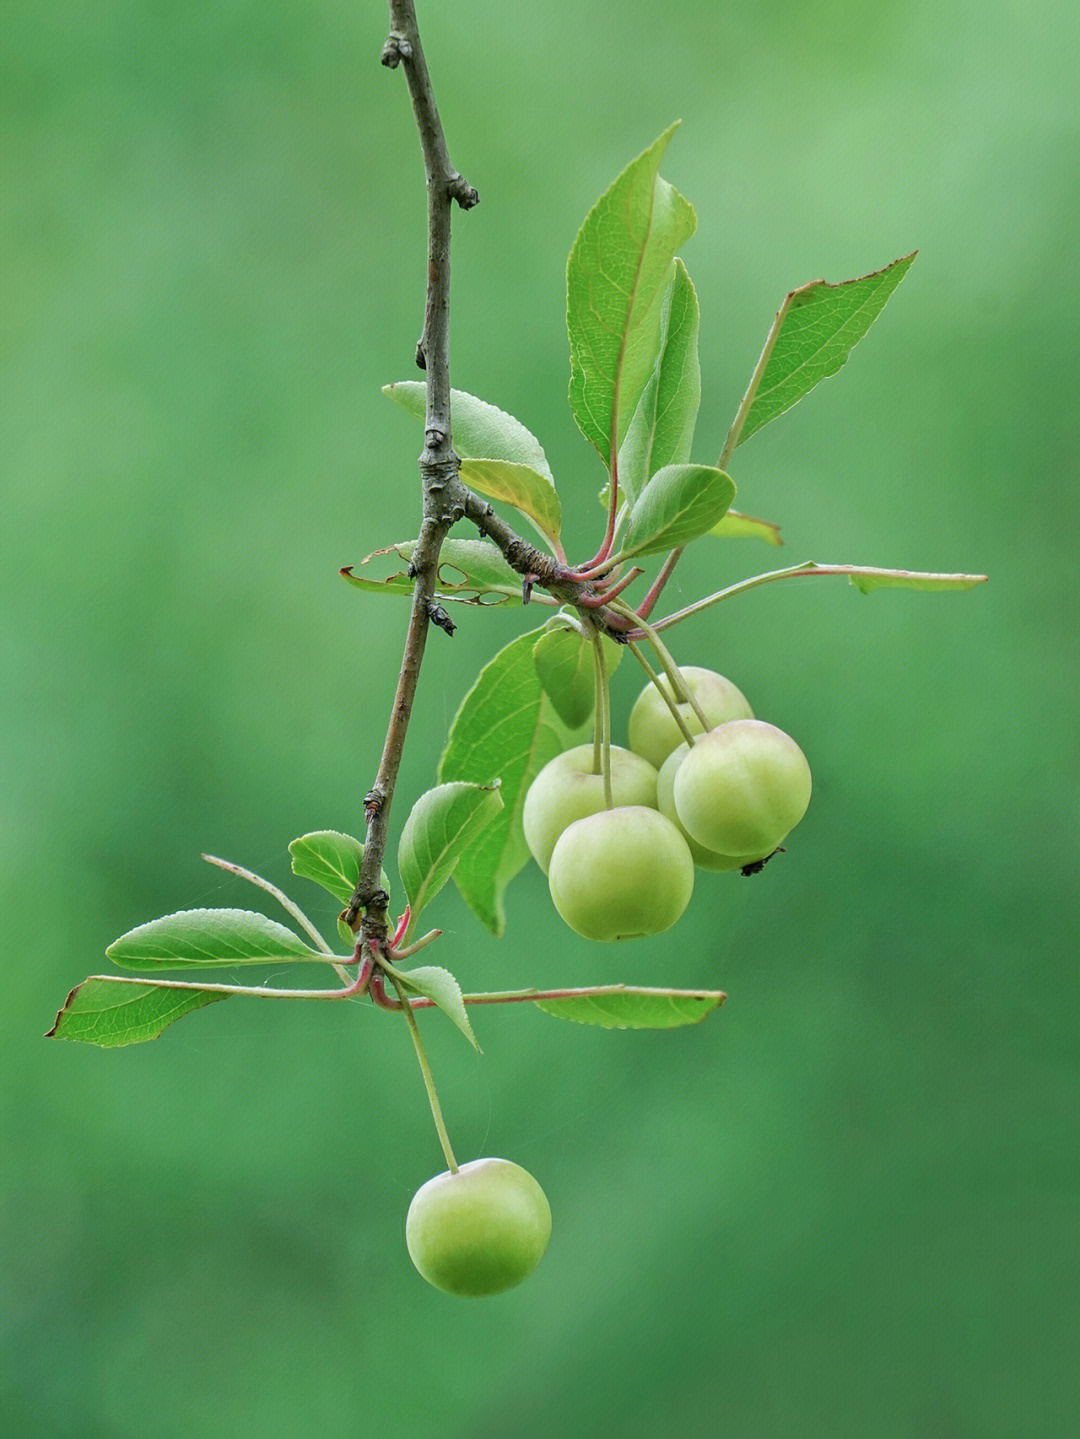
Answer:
(481, 431)
(625, 1007)
(678, 504)
(616, 278)
(440, 986)
(440, 827)
(661, 431)
(204, 938)
(815, 330)
(867, 579)
(471, 571)
(742, 526)
(521, 486)
(111, 1012)
(507, 729)
(332, 860)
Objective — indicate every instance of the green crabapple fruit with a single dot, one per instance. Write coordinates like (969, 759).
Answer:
(620, 874)
(653, 731)
(566, 789)
(480, 1230)
(665, 803)
(742, 787)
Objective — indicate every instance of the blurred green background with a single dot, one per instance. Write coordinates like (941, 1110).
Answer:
(846, 1205)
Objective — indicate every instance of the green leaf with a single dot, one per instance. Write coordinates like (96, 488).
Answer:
(469, 571)
(616, 278)
(662, 428)
(678, 504)
(332, 860)
(815, 330)
(867, 579)
(508, 729)
(440, 986)
(481, 431)
(620, 1006)
(440, 827)
(198, 938)
(747, 526)
(564, 661)
(111, 1012)
(523, 487)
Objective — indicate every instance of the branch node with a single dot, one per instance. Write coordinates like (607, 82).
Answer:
(395, 49)
(421, 354)
(438, 616)
(460, 190)
(435, 436)
(527, 582)
(373, 803)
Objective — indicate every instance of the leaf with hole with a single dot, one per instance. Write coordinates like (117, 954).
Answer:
(332, 860)
(814, 331)
(481, 431)
(678, 504)
(506, 728)
(441, 826)
(198, 938)
(471, 571)
(616, 279)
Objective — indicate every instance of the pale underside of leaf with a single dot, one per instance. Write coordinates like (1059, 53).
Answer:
(739, 526)
(814, 331)
(628, 1007)
(480, 431)
(866, 578)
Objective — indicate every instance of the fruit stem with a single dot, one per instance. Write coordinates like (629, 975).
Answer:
(679, 688)
(603, 697)
(425, 1070)
(635, 650)
(598, 716)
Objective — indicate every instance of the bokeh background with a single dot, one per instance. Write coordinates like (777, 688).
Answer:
(846, 1205)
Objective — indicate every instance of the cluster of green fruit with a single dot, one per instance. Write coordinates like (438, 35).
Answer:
(724, 802)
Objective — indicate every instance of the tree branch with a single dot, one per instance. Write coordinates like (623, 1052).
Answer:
(438, 463)
(445, 498)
